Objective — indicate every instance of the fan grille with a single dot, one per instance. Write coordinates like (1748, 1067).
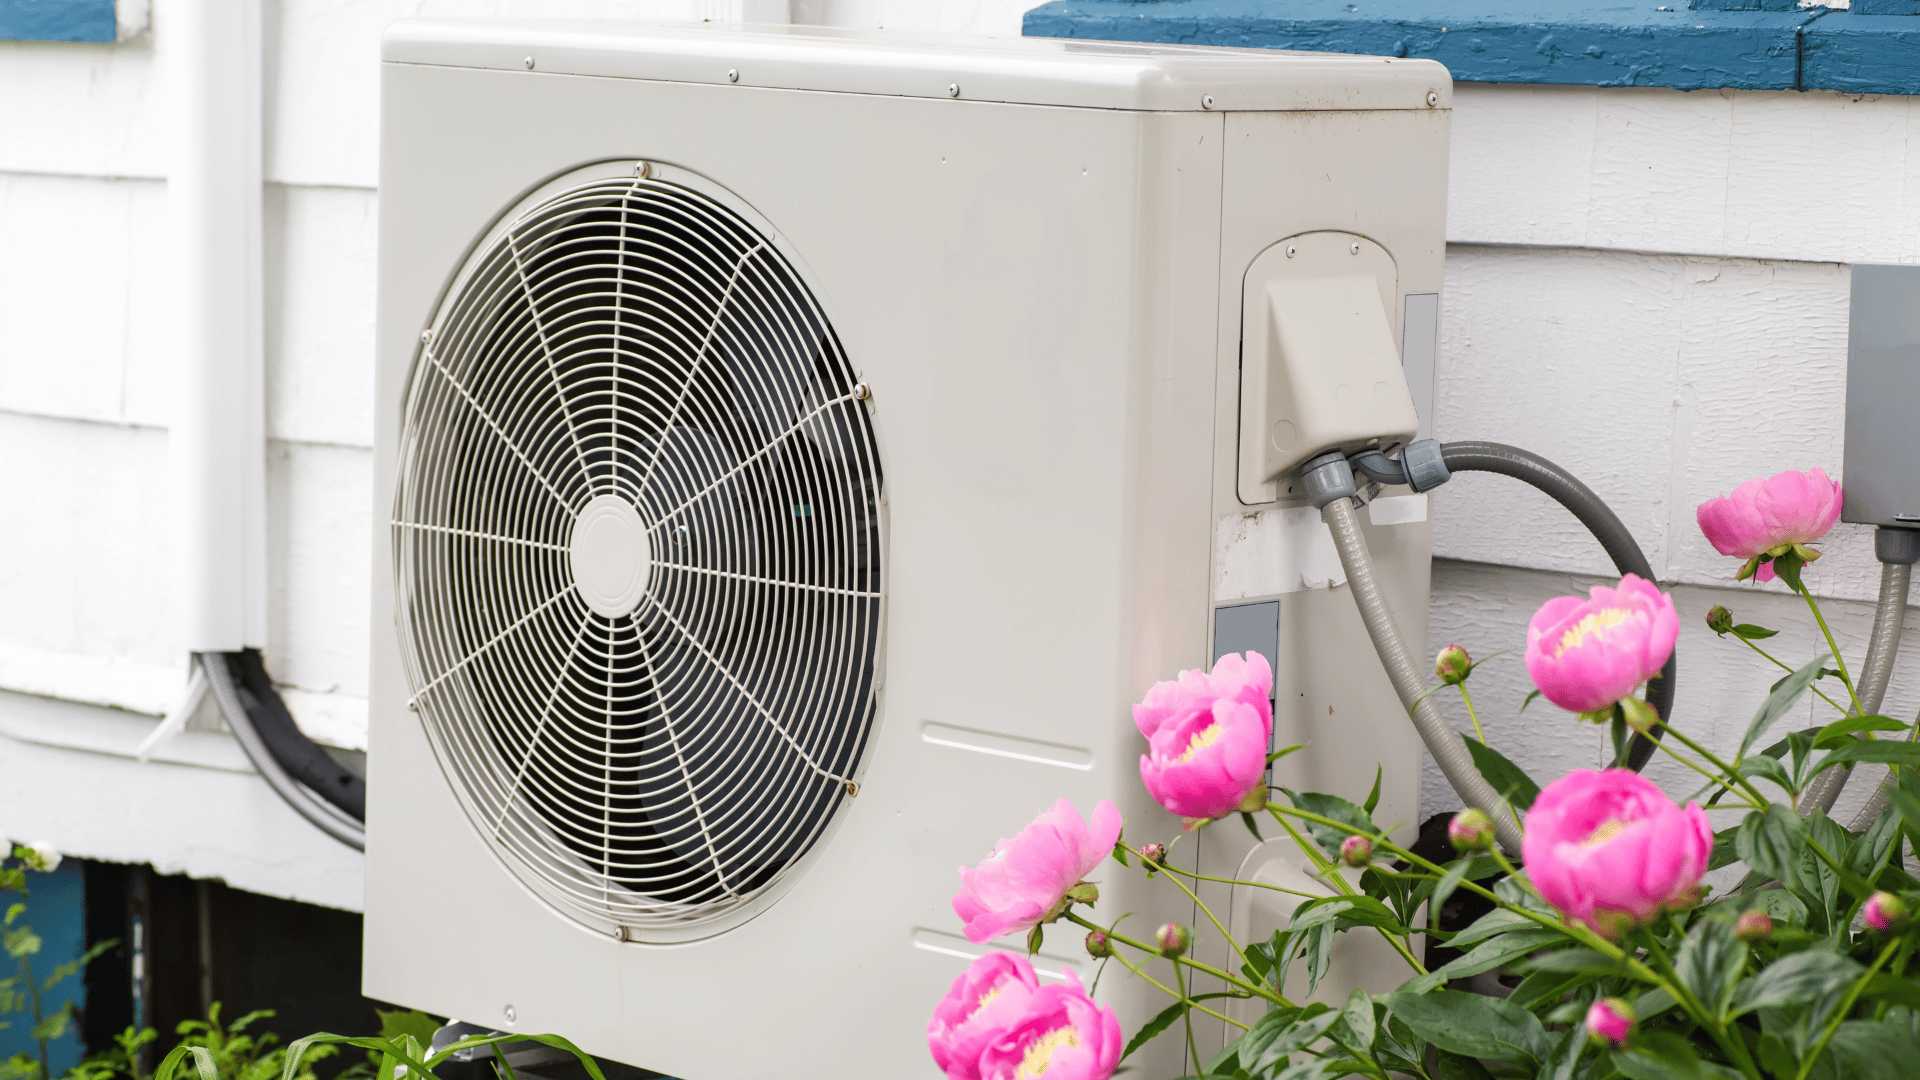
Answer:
(638, 554)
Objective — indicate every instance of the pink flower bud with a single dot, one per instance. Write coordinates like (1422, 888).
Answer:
(1153, 854)
(1255, 800)
(1886, 912)
(1609, 1022)
(1172, 939)
(1098, 944)
(1453, 665)
(1356, 851)
(1640, 716)
(1753, 926)
(1720, 620)
(1471, 830)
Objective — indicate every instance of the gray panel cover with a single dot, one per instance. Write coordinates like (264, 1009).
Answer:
(1881, 471)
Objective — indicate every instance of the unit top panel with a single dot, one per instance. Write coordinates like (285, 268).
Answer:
(1029, 71)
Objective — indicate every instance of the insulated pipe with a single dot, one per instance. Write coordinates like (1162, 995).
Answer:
(1892, 547)
(1566, 489)
(217, 437)
(1448, 751)
(226, 684)
(1888, 616)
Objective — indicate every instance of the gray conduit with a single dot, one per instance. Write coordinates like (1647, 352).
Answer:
(1888, 616)
(222, 682)
(1448, 751)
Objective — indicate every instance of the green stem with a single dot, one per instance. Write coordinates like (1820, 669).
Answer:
(1468, 698)
(1186, 1016)
(1197, 902)
(1331, 873)
(1732, 1045)
(1235, 980)
(1744, 791)
(1846, 1006)
(1232, 881)
(1759, 800)
(1839, 661)
(1164, 988)
(1783, 667)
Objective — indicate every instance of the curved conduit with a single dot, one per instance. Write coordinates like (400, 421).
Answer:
(317, 787)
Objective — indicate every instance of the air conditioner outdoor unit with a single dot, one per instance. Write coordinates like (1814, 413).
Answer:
(796, 449)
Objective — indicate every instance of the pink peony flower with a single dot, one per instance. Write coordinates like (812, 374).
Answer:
(1584, 655)
(985, 1000)
(1246, 679)
(1062, 1035)
(1026, 878)
(1767, 517)
(1609, 1021)
(1207, 736)
(1609, 849)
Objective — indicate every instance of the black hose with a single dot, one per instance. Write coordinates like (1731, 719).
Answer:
(312, 784)
(1564, 488)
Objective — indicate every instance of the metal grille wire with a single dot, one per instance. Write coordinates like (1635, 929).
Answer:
(662, 767)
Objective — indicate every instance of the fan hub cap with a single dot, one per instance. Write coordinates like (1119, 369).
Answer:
(610, 555)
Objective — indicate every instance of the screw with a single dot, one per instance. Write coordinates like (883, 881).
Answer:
(426, 337)
(953, 89)
(643, 170)
(1433, 99)
(853, 790)
(1206, 101)
(413, 705)
(733, 74)
(529, 62)
(619, 934)
(861, 391)
(1355, 248)
(1292, 251)
(511, 1015)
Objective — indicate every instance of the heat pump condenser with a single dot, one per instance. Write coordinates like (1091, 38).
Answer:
(796, 450)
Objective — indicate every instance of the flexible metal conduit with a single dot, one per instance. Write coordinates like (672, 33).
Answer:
(1564, 488)
(247, 712)
(1875, 673)
(1448, 751)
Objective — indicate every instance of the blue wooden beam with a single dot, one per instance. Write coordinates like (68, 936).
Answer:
(57, 20)
(1591, 43)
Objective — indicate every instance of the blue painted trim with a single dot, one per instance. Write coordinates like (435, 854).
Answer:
(57, 20)
(1594, 43)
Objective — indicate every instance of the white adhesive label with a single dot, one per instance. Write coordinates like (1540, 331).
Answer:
(1398, 510)
(1272, 552)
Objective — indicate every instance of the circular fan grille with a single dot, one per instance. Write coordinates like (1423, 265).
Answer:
(638, 554)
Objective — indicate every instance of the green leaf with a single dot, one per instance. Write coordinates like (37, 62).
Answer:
(1895, 989)
(1309, 1026)
(1486, 956)
(1841, 731)
(1794, 979)
(1873, 850)
(1890, 752)
(1660, 1055)
(1356, 1029)
(1497, 921)
(1529, 700)
(1337, 808)
(1785, 693)
(1373, 797)
(1456, 873)
(1579, 961)
(1709, 962)
(1772, 843)
(1459, 1067)
(1512, 783)
(1166, 1019)
(1751, 632)
(1872, 1048)
(1766, 768)
(1284, 751)
(1476, 1026)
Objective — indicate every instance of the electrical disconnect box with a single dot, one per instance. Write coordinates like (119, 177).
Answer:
(1882, 485)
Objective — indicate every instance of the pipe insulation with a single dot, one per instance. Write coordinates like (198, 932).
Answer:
(1567, 490)
(1875, 673)
(1445, 744)
(227, 678)
(217, 438)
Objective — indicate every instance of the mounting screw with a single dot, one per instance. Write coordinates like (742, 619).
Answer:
(426, 336)
(853, 790)
(413, 705)
(1292, 251)
(529, 62)
(619, 934)
(733, 74)
(1355, 247)
(1206, 101)
(1433, 99)
(510, 1014)
(861, 391)
(643, 170)
(953, 89)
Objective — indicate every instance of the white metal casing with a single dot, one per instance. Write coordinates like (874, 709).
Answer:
(1040, 276)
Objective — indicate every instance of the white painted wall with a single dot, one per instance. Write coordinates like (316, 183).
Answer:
(1646, 285)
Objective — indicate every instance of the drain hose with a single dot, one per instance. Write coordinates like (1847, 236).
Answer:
(293, 766)
(1448, 751)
